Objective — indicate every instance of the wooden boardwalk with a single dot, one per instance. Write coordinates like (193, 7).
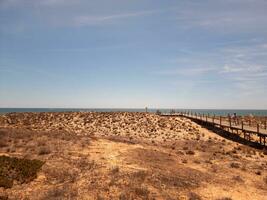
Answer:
(256, 134)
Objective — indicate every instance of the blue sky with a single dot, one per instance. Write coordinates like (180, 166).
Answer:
(133, 53)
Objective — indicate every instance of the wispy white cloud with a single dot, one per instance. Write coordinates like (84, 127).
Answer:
(239, 67)
(86, 20)
(14, 3)
(21, 70)
(187, 71)
(223, 16)
(242, 69)
(57, 2)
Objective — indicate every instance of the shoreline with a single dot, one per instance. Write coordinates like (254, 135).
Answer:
(222, 112)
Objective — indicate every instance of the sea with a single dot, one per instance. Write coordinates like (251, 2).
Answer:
(221, 112)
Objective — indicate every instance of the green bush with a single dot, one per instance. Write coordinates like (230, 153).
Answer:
(21, 170)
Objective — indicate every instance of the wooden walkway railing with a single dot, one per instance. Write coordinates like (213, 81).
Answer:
(256, 134)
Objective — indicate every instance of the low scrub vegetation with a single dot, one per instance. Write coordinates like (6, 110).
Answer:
(20, 170)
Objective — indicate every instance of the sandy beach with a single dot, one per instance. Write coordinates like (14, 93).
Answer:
(123, 155)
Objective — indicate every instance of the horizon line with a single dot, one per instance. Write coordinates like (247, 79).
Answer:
(134, 108)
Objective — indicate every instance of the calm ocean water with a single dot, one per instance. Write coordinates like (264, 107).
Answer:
(202, 111)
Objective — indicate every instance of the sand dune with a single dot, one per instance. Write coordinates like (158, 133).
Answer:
(129, 156)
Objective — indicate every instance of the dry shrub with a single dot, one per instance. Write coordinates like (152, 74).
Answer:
(180, 153)
(139, 176)
(185, 148)
(44, 150)
(84, 164)
(6, 182)
(60, 175)
(238, 179)
(141, 191)
(42, 141)
(3, 197)
(123, 196)
(190, 152)
(61, 192)
(197, 161)
(177, 181)
(3, 143)
(114, 170)
(258, 173)
(99, 197)
(193, 196)
(66, 136)
(235, 165)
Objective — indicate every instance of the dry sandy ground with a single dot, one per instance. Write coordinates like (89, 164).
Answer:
(129, 156)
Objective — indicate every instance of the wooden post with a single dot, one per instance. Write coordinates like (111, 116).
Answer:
(230, 122)
(213, 119)
(258, 128)
(206, 118)
(242, 126)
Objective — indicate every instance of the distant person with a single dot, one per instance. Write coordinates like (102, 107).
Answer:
(234, 119)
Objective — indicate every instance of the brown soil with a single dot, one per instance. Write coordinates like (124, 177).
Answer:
(129, 156)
